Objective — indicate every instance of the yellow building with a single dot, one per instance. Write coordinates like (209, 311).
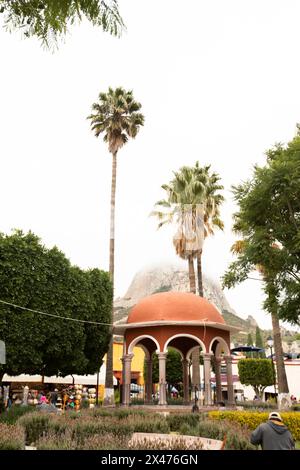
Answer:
(137, 365)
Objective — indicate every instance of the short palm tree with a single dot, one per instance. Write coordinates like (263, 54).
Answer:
(115, 115)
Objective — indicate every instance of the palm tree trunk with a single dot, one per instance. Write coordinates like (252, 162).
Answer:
(192, 278)
(281, 374)
(199, 273)
(196, 352)
(109, 384)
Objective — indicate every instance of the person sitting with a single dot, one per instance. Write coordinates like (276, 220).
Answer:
(273, 435)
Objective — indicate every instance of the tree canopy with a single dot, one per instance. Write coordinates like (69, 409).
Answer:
(259, 342)
(116, 115)
(259, 373)
(249, 340)
(49, 19)
(269, 222)
(38, 278)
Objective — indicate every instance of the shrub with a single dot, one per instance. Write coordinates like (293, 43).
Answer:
(12, 414)
(12, 437)
(295, 407)
(153, 423)
(262, 405)
(52, 441)
(117, 397)
(35, 425)
(175, 401)
(124, 413)
(105, 442)
(175, 421)
(93, 442)
(252, 419)
(159, 444)
(137, 401)
(237, 437)
(99, 412)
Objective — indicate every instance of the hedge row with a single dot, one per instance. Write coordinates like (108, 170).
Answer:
(252, 419)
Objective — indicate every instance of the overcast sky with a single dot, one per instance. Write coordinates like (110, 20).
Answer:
(218, 82)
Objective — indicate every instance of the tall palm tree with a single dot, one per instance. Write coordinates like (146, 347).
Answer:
(211, 212)
(116, 115)
(237, 248)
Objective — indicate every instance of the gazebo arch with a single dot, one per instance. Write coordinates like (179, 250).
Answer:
(221, 344)
(138, 339)
(184, 335)
(179, 319)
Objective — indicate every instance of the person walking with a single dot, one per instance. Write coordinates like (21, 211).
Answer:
(273, 435)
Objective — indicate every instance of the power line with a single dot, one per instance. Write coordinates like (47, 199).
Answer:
(55, 316)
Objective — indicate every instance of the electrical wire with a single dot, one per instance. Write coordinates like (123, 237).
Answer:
(55, 316)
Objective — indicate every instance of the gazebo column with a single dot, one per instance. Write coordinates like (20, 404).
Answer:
(230, 394)
(149, 382)
(218, 361)
(162, 357)
(207, 371)
(186, 392)
(126, 360)
(195, 371)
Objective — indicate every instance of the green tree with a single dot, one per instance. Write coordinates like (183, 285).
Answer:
(42, 279)
(49, 19)
(259, 342)
(249, 340)
(117, 116)
(258, 373)
(173, 368)
(268, 219)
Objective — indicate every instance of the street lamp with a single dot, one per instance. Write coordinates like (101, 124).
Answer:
(270, 343)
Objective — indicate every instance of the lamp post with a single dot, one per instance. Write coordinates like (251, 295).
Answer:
(270, 343)
(195, 408)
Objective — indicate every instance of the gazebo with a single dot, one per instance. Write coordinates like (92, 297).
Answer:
(183, 321)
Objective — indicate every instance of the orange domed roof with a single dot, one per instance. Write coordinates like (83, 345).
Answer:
(174, 306)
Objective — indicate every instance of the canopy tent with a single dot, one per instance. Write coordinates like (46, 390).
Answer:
(246, 349)
(68, 379)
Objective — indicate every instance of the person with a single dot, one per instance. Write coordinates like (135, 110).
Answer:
(42, 398)
(54, 396)
(10, 399)
(273, 435)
